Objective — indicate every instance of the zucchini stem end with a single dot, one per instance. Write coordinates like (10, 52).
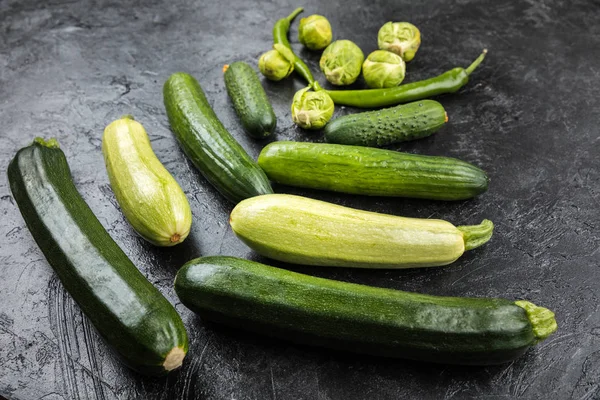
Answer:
(477, 235)
(542, 320)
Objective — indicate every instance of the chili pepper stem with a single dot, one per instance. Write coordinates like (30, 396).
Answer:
(476, 63)
(477, 235)
(294, 13)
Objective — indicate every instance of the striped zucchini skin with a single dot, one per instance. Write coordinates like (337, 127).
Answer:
(346, 316)
(371, 172)
(305, 231)
(132, 316)
(388, 126)
(249, 100)
(206, 142)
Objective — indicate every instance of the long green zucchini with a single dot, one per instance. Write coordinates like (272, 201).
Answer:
(206, 142)
(129, 313)
(371, 172)
(347, 316)
(305, 231)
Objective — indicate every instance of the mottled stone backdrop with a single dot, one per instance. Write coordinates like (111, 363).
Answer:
(529, 118)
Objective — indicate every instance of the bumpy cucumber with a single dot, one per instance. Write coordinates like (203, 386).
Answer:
(149, 196)
(371, 172)
(305, 231)
(129, 313)
(391, 125)
(358, 318)
(249, 100)
(206, 142)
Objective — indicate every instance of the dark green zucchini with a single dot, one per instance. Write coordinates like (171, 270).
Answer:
(372, 172)
(204, 139)
(249, 100)
(347, 316)
(388, 126)
(129, 313)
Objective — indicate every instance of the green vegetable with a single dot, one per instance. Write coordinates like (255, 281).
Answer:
(341, 62)
(129, 313)
(249, 100)
(276, 64)
(311, 110)
(204, 139)
(315, 32)
(383, 69)
(391, 125)
(401, 38)
(448, 82)
(149, 196)
(304, 231)
(372, 172)
(346, 316)
(280, 32)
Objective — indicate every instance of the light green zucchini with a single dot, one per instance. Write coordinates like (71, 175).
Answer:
(151, 199)
(305, 231)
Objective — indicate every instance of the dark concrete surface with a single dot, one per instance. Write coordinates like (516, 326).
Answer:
(529, 117)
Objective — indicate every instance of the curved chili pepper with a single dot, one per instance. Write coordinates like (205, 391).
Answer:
(280, 32)
(448, 82)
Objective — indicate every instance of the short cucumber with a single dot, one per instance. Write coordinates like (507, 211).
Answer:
(129, 313)
(388, 126)
(204, 139)
(149, 196)
(249, 100)
(371, 172)
(305, 231)
(358, 318)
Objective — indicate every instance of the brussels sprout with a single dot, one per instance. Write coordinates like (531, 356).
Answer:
(277, 64)
(341, 62)
(311, 110)
(315, 32)
(383, 69)
(401, 38)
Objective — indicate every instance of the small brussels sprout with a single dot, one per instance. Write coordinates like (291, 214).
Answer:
(341, 62)
(383, 69)
(401, 38)
(315, 32)
(311, 110)
(277, 64)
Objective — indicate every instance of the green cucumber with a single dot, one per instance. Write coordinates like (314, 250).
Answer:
(371, 172)
(249, 100)
(206, 142)
(149, 196)
(129, 313)
(347, 316)
(305, 231)
(388, 126)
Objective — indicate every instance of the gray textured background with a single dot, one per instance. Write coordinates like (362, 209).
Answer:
(529, 118)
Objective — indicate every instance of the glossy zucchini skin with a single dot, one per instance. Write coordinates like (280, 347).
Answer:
(206, 142)
(346, 316)
(372, 172)
(388, 126)
(128, 311)
(305, 231)
(249, 100)
(149, 196)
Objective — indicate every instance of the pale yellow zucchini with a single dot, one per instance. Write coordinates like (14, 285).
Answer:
(305, 231)
(151, 199)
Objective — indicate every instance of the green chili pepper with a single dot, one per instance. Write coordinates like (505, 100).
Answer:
(280, 32)
(448, 82)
